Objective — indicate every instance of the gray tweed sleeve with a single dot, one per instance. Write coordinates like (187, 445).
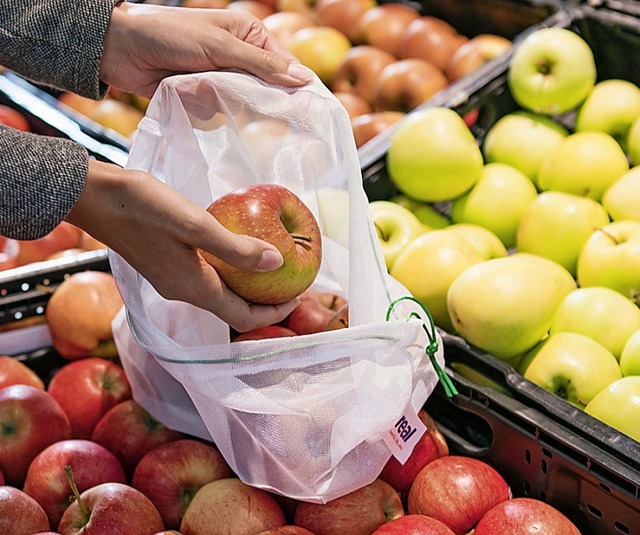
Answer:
(56, 42)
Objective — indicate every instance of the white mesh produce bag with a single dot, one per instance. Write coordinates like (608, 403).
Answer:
(309, 416)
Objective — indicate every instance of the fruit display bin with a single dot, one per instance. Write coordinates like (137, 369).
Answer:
(540, 458)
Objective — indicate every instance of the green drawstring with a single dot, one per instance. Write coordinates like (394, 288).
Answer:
(431, 349)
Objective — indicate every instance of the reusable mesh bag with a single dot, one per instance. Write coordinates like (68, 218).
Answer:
(307, 416)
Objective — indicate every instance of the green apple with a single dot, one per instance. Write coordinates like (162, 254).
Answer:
(585, 163)
(425, 212)
(599, 313)
(487, 243)
(618, 405)
(622, 198)
(556, 225)
(505, 305)
(630, 357)
(428, 266)
(396, 227)
(523, 140)
(331, 208)
(611, 107)
(433, 156)
(633, 142)
(552, 70)
(496, 202)
(528, 357)
(573, 366)
(611, 258)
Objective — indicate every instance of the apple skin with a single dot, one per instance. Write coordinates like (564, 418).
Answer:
(14, 372)
(115, 508)
(315, 311)
(63, 236)
(622, 198)
(283, 24)
(230, 506)
(46, 480)
(344, 15)
(11, 117)
(618, 406)
(630, 356)
(523, 516)
(128, 431)
(275, 214)
(260, 333)
(80, 312)
(484, 240)
(303, 6)
(20, 514)
(556, 59)
(414, 525)
(353, 103)
(475, 53)
(366, 127)
(118, 116)
(359, 512)
(170, 475)
(86, 389)
(632, 143)
(258, 9)
(385, 25)
(458, 491)
(425, 212)
(287, 530)
(31, 420)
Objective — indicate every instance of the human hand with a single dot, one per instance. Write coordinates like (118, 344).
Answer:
(146, 43)
(159, 233)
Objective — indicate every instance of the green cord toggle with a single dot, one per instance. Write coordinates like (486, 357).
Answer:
(449, 388)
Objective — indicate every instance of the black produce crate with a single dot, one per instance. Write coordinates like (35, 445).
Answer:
(540, 458)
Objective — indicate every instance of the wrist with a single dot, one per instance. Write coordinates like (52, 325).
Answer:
(114, 42)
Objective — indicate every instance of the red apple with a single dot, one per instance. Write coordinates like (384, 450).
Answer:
(229, 506)
(407, 83)
(344, 15)
(14, 372)
(1, 478)
(303, 6)
(171, 475)
(275, 214)
(259, 10)
(20, 514)
(366, 127)
(522, 516)
(458, 491)
(13, 118)
(80, 312)
(414, 525)
(9, 250)
(384, 25)
(113, 509)
(63, 236)
(287, 530)
(315, 311)
(358, 513)
(260, 333)
(359, 71)
(46, 480)
(284, 24)
(30, 420)
(340, 319)
(128, 431)
(353, 103)
(431, 446)
(474, 53)
(168, 532)
(86, 389)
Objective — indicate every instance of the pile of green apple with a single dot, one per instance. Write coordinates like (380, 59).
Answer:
(527, 243)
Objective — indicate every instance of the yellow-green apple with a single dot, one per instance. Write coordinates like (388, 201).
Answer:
(111, 509)
(283, 24)
(611, 107)
(630, 356)
(128, 431)
(433, 156)
(286, 530)
(63, 236)
(171, 474)
(523, 140)
(600, 313)
(584, 163)
(622, 198)
(321, 48)
(556, 225)
(359, 71)
(316, 309)
(258, 9)
(396, 227)
(46, 480)
(406, 84)
(573, 366)
(432, 445)
(430, 264)
(80, 312)
(483, 239)
(344, 15)
(230, 506)
(353, 103)
(458, 491)
(618, 405)
(20, 514)
(385, 25)
(505, 306)
(497, 201)
(260, 333)
(274, 214)
(522, 516)
(474, 53)
(367, 126)
(414, 525)
(15, 372)
(425, 212)
(303, 6)
(551, 71)
(86, 389)
(359, 512)
(331, 206)
(611, 258)
(431, 39)
(633, 143)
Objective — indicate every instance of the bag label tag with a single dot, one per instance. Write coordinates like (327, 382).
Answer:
(404, 435)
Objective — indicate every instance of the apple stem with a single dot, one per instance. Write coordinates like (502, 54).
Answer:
(381, 233)
(300, 237)
(609, 235)
(44, 289)
(76, 494)
(544, 66)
